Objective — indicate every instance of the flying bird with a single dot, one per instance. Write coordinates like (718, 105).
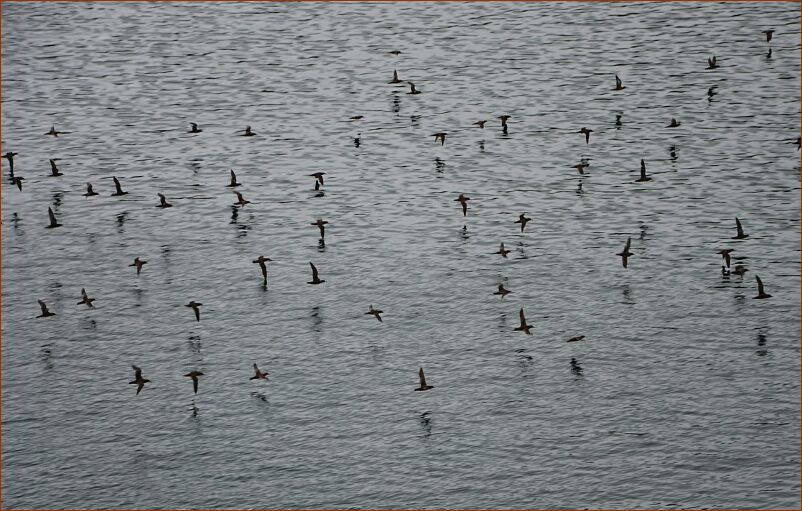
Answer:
(89, 191)
(139, 264)
(320, 223)
(504, 119)
(54, 172)
(233, 181)
(422, 379)
(481, 124)
(194, 375)
(45, 312)
(118, 189)
(523, 327)
(576, 339)
(619, 85)
(768, 33)
(441, 136)
(412, 89)
(587, 133)
(502, 252)
(261, 262)
(643, 177)
(315, 277)
(53, 223)
(740, 270)
(725, 254)
(54, 132)
(242, 201)
(138, 380)
(319, 177)
(194, 128)
(375, 313)
(259, 374)
(674, 123)
(247, 132)
(195, 306)
(711, 63)
(522, 220)
(462, 199)
(395, 77)
(163, 201)
(760, 292)
(10, 157)
(580, 167)
(740, 229)
(502, 291)
(88, 301)
(625, 253)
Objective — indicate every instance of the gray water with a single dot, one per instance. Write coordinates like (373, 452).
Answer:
(689, 395)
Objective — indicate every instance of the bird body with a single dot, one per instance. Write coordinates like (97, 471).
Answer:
(502, 251)
(261, 262)
(194, 375)
(138, 380)
(523, 326)
(462, 199)
(761, 293)
(643, 177)
(163, 202)
(412, 89)
(441, 136)
(481, 124)
(674, 123)
(45, 312)
(422, 378)
(502, 291)
(711, 62)
(54, 172)
(139, 264)
(395, 77)
(576, 339)
(118, 189)
(195, 306)
(194, 128)
(587, 133)
(320, 223)
(233, 181)
(522, 220)
(740, 235)
(315, 276)
(88, 301)
(619, 85)
(375, 313)
(259, 375)
(89, 191)
(53, 223)
(625, 253)
(247, 132)
(241, 201)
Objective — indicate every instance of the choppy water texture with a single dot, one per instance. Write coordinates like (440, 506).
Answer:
(689, 395)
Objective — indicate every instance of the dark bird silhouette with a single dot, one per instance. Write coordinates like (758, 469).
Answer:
(194, 128)
(242, 201)
(462, 199)
(711, 63)
(412, 89)
(163, 201)
(18, 182)
(194, 375)
(259, 375)
(394, 52)
(53, 223)
(740, 229)
(441, 136)
(261, 260)
(138, 380)
(320, 223)
(768, 33)
(674, 123)
(315, 277)
(395, 77)
(523, 327)
(139, 264)
(422, 379)
(118, 190)
(504, 119)
(375, 313)
(587, 133)
(643, 177)
(760, 292)
(195, 306)
(247, 132)
(580, 167)
(319, 178)
(89, 191)
(502, 291)
(54, 132)
(233, 181)
(619, 85)
(576, 339)
(54, 172)
(740, 270)
(10, 157)
(625, 253)
(45, 313)
(88, 301)
(355, 117)
(522, 220)
(481, 124)
(725, 253)
(502, 252)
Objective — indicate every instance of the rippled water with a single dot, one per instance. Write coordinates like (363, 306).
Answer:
(689, 395)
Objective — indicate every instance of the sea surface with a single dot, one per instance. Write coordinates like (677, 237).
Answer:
(689, 390)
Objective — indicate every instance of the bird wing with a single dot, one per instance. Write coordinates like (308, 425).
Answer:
(739, 226)
(43, 305)
(314, 272)
(759, 285)
(137, 372)
(233, 177)
(117, 184)
(523, 318)
(626, 247)
(422, 378)
(83, 293)
(52, 216)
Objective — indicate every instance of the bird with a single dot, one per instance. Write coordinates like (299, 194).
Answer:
(740, 270)
(118, 190)
(320, 223)
(740, 229)
(711, 62)
(502, 252)
(10, 157)
(194, 128)
(481, 124)
(247, 132)
(502, 291)
(54, 132)
(674, 123)
(18, 182)
(768, 33)
(139, 264)
(625, 253)
(725, 254)
(233, 181)
(53, 223)
(53, 169)
(355, 117)
(395, 77)
(440, 136)
(394, 52)
(260, 375)
(619, 85)
(760, 292)
(45, 312)
(523, 327)
(504, 119)
(315, 277)
(261, 260)
(462, 199)
(163, 201)
(195, 306)
(138, 380)
(194, 375)
(88, 301)
(522, 220)
(375, 313)
(89, 191)
(242, 201)
(576, 339)
(422, 379)
(587, 133)
(412, 89)
(643, 176)
(580, 167)
(318, 177)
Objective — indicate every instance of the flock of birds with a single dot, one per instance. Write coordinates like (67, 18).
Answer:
(138, 263)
